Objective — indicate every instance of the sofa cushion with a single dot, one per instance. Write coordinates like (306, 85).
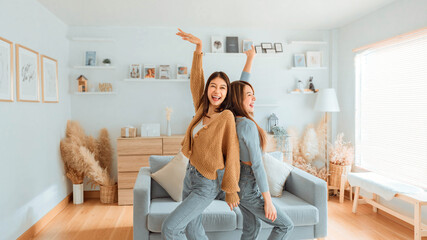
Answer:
(156, 163)
(277, 171)
(216, 217)
(301, 212)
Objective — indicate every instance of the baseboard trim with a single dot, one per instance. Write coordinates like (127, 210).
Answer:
(40, 224)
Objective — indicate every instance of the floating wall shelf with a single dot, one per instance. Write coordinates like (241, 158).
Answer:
(92, 39)
(155, 80)
(95, 93)
(94, 67)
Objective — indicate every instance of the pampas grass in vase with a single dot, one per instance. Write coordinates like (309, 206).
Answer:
(341, 156)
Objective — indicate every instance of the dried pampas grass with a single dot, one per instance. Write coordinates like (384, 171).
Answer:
(105, 153)
(309, 144)
(74, 166)
(300, 163)
(341, 153)
(94, 170)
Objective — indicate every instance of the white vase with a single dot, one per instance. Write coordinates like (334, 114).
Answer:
(78, 193)
(169, 131)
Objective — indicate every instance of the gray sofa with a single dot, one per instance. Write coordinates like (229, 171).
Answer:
(304, 200)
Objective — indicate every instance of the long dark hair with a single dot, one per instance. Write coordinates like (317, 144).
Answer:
(237, 96)
(205, 100)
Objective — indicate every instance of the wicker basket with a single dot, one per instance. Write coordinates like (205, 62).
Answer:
(108, 194)
(336, 171)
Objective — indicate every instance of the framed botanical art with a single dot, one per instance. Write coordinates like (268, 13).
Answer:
(149, 71)
(49, 67)
(6, 70)
(27, 74)
(314, 59)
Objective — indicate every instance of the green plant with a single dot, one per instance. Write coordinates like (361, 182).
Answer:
(106, 61)
(280, 134)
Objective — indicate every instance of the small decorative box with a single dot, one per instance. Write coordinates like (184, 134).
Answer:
(128, 132)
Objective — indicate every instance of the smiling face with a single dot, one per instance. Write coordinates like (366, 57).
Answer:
(248, 99)
(217, 91)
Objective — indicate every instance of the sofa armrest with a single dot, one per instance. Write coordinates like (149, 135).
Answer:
(312, 190)
(141, 204)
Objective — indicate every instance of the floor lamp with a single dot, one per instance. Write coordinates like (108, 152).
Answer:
(326, 102)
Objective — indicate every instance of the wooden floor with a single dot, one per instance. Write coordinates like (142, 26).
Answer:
(93, 220)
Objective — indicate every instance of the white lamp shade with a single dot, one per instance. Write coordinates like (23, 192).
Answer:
(327, 101)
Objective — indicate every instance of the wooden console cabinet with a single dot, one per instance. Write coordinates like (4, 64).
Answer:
(133, 153)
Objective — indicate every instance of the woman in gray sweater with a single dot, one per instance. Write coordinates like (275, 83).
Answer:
(255, 198)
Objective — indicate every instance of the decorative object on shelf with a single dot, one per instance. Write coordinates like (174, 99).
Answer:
(232, 44)
(27, 74)
(49, 67)
(182, 72)
(149, 71)
(135, 71)
(168, 119)
(86, 156)
(105, 87)
(128, 132)
(266, 46)
(90, 59)
(217, 44)
(311, 85)
(273, 120)
(300, 86)
(313, 59)
(82, 87)
(106, 62)
(299, 60)
(150, 130)
(247, 45)
(164, 72)
(258, 49)
(326, 101)
(278, 47)
(6, 70)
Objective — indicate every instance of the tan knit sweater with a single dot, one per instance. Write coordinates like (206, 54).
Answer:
(216, 145)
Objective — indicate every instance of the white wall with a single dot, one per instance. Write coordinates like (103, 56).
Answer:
(31, 172)
(395, 19)
(137, 103)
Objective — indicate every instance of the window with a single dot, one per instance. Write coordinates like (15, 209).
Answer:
(391, 109)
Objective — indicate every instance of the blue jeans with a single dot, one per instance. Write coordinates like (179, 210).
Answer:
(186, 219)
(252, 207)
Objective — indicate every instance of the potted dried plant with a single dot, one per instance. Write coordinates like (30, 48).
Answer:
(341, 157)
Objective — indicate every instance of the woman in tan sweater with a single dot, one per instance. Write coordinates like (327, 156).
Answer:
(211, 144)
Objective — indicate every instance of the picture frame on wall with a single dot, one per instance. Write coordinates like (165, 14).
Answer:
(27, 74)
(49, 70)
(164, 72)
(314, 59)
(232, 44)
(247, 45)
(135, 71)
(181, 72)
(6, 70)
(299, 60)
(217, 44)
(149, 71)
(258, 49)
(278, 47)
(90, 58)
(270, 51)
(266, 45)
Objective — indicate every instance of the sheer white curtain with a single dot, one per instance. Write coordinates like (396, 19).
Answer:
(391, 110)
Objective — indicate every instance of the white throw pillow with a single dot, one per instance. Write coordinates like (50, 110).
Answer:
(171, 176)
(277, 171)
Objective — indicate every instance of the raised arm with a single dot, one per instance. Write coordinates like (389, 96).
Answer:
(197, 80)
(250, 55)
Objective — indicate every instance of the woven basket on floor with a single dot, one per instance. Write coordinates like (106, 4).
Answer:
(336, 171)
(108, 194)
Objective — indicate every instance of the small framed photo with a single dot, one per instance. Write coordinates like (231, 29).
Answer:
(247, 45)
(266, 45)
(90, 59)
(299, 60)
(149, 71)
(270, 51)
(49, 67)
(164, 72)
(6, 70)
(217, 44)
(135, 71)
(258, 49)
(278, 47)
(314, 59)
(181, 72)
(27, 74)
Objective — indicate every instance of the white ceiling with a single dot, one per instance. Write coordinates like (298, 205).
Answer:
(282, 14)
